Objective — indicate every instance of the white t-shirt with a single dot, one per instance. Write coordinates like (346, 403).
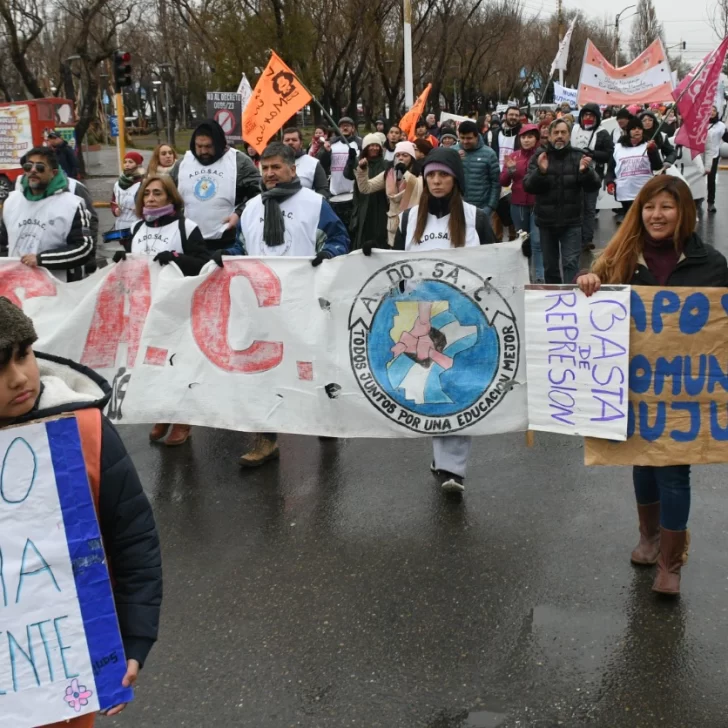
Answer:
(437, 231)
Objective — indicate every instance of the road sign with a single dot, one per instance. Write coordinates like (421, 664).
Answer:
(114, 125)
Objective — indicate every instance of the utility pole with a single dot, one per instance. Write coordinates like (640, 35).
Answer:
(561, 37)
(409, 94)
(616, 33)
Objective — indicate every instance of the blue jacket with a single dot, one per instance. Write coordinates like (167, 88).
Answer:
(331, 235)
(482, 176)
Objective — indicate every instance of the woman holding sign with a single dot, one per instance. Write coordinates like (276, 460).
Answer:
(167, 235)
(657, 246)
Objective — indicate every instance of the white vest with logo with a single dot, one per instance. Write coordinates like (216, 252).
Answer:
(506, 145)
(339, 157)
(306, 169)
(126, 201)
(301, 215)
(208, 191)
(632, 171)
(437, 233)
(150, 240)
(584, 138)
(35, 227)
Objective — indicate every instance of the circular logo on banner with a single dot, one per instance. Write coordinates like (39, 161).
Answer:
(433, 345)
(226, 119)
(205, 188)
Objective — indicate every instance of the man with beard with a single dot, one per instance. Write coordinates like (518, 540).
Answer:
(215, 181)
(559, 177)
(504, 142)
(43, 223)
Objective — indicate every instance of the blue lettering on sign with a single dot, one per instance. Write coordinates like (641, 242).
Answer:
(24, 571)
(18, 450)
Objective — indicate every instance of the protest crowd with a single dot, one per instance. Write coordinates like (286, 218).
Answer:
(417, 185)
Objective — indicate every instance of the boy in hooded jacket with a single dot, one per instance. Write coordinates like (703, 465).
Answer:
(35, 386)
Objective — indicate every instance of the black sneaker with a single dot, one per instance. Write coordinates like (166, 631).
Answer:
(712, 208)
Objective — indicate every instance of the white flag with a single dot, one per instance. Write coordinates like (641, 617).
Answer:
(245, 91)
(562, 54)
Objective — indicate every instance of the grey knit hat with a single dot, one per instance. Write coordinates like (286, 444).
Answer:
(346, 120)
(15, 326)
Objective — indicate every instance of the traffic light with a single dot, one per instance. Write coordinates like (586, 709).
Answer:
(122, 70)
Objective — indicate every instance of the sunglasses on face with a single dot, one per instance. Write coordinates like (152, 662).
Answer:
(40, 166)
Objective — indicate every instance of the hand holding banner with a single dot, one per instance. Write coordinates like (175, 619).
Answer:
(278, 95)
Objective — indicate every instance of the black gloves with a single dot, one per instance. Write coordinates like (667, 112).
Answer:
(321, 256)
(526, 247)
(367, 246)
(400, 167)
(352, 154)
(217, 257)
(119, 255)
(164, 258)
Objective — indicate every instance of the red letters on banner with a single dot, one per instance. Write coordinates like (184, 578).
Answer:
(211, 314)
(33, 281)
(110, 326)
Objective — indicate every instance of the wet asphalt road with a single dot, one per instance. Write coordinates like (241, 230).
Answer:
(338, 588)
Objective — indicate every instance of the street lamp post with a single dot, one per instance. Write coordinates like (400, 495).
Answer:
(166, 67)
(616, 32)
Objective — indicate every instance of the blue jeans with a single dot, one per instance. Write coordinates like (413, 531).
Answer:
(670, 485)
(562, 243)
(525, 219)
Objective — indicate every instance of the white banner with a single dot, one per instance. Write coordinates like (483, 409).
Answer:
(446, 116)
(61, 654)
(562, 55)
(577, 350)
(562, 93)
(397, 344)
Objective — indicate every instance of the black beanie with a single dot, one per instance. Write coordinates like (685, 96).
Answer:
(449, 158)
(15, 326)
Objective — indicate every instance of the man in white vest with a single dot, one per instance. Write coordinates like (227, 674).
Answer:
(287, 219)
(308, 168)
(215, 181)
(43, 223)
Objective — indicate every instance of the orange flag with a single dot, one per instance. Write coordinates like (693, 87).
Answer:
(278, 95)
(407, 124)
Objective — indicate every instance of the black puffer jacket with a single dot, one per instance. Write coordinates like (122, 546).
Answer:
(125, 516)
(699, 265)
(559, 192)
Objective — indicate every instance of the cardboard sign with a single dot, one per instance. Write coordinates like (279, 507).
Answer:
(678, 379)
(577, 355)
(397, 344)
(61, 654)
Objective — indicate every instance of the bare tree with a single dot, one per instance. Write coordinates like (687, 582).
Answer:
(646, 28)
(22, 24)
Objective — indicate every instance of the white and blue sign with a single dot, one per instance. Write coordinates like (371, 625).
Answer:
(114, 125)
(433, 345)
(61, 654)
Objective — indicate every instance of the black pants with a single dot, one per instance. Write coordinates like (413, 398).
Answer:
(711, 180)
(626, 206)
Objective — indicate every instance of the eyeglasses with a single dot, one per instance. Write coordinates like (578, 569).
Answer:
(40, 166)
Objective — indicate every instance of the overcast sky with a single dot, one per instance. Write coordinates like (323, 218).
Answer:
(683, 21)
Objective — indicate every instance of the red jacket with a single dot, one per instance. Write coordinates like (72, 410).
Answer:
(519, 196)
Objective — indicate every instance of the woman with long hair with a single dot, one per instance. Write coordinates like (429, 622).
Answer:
(166, 234)
(657, 246)
(164, 158)
(441, 220)
(632, 165)
(515, 169)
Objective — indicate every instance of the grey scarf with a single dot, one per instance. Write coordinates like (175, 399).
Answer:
(274, 227)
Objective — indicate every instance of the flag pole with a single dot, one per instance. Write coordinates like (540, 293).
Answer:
(546, 89)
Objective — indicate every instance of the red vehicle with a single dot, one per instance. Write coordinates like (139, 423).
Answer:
(24, 125)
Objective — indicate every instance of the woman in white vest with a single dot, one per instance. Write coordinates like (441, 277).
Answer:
(165, 233)
(632, 165)
(443, 220)
(123, 200)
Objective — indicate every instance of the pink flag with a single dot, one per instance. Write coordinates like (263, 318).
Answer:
(695, 96)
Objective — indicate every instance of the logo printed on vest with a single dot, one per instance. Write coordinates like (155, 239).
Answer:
(205, 188)
(433, 346)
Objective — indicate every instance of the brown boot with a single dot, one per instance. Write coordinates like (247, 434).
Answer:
(647, 550)
(673, 554)
(263, 450)
(159, 431)
(179, 435)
